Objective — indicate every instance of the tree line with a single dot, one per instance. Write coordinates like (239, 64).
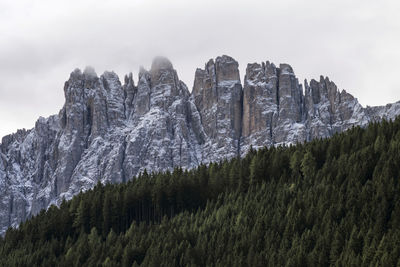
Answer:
(329, 202)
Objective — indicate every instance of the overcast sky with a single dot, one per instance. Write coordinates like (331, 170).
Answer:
(355, 43)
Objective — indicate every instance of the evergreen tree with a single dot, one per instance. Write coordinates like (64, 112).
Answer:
(328, 202)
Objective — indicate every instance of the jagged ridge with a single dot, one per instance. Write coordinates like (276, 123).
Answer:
(110, 132)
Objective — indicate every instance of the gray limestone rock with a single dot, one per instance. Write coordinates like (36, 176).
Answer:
(217, 94)
(260, 106)
(110, 132)
(329, 111)
(288, 125)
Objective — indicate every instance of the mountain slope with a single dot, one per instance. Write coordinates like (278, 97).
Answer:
(109, 132)
(329, 202)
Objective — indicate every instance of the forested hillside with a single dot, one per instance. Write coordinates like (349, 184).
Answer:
(328, 202)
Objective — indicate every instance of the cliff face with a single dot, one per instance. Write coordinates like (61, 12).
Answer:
(110, 132)
(217, 95)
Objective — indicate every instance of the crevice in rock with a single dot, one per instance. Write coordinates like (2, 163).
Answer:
(241, 121)
(270, 126)
(64, 118)
(55, 190)
(106, 111)
(180, 152)
(124, 104)
(278, 72)
(123, 161)
(216, 81)
(10, 209)
(88, 122)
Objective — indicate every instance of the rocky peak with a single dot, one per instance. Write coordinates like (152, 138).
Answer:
(141, 102)
(255, 72)
(285, 69)
(227, 69)
(162, 72)
(270, 70)
(130, 92)
(217, 93)
(110, 132)
(161, 63)
(165, 84)
(259, 105)
(114, 96)
(90, 73)
(289, 93)
(290, 107)
(315, 91)
(198, 86)
(8, 140)
(344, 96)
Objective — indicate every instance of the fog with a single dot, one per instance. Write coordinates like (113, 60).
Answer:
(354, 43)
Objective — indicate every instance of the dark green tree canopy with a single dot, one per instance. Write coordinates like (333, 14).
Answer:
(328, 202)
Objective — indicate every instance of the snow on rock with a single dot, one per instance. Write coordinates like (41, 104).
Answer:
(217, 94)
(110, 132)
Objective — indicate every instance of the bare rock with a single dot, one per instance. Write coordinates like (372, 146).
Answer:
(260, 107)
(217, 93)
(110, 132)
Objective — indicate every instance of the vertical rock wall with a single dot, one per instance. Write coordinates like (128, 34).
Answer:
(110, 132)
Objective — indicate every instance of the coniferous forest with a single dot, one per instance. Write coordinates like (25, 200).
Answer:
(327, 202)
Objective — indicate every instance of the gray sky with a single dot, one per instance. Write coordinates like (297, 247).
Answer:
(355, 43)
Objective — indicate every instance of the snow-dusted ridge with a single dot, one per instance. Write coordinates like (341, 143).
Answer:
(109, 132)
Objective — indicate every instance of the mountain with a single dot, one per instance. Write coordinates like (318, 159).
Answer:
(109, 132)
(328, 202)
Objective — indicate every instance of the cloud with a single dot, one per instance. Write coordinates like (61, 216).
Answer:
(355, 43)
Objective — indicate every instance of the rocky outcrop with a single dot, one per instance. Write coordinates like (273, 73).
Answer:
(217, 94)
(110, 132)
(164, 129)
(260, 105)
(289, 124)
(27, 162)
(329, 111)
